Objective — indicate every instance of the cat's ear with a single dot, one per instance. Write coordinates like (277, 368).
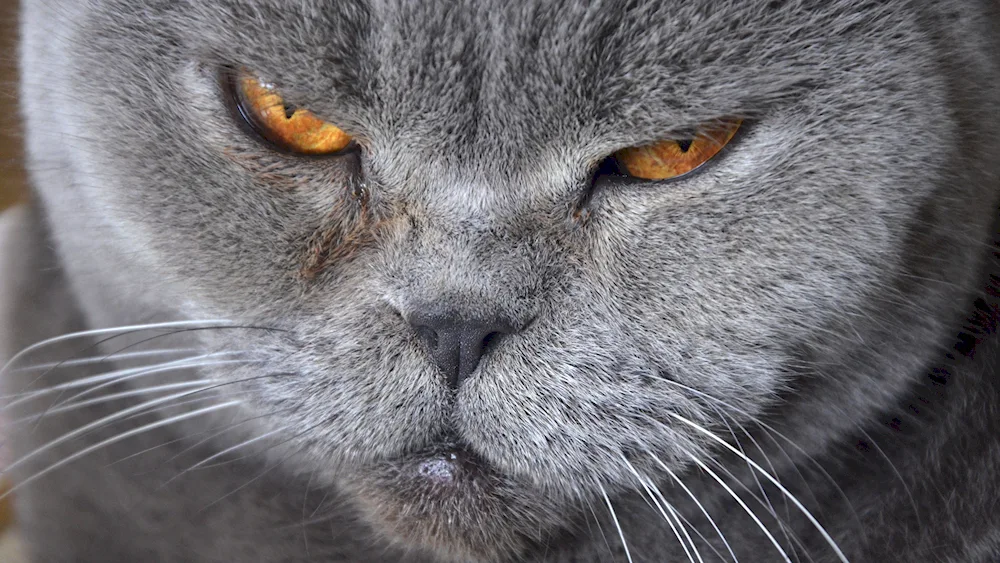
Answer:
(288, 128)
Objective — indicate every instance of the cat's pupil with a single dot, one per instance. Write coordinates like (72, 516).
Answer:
(685, 144)
(289, 111)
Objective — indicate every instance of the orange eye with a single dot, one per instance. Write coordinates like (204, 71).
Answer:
(670, 159)
(295, 130)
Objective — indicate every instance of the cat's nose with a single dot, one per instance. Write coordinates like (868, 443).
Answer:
(455, 342)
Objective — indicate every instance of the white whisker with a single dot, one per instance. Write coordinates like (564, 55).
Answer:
(225, 429)
(110, 378)
(141, 407)
(743, 505)
(680, 524)
(614, 518)
(701, 536)
(782, 524)
(250, 482)
(114, 439)
(148, 372)
(100, 331)
(899, 476)
(649, 487)
(701, 507)
(771, 432)
(231, 449)
(766, 500)
(786, 492)
(189, 436)
(104, 358)
(115, 396)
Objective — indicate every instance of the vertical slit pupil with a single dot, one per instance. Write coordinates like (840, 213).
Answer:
(685, 144)
(289, 111)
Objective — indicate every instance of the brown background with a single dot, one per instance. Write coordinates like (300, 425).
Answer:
(11, 173)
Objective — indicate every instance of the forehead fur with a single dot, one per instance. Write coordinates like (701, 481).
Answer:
(506, 79)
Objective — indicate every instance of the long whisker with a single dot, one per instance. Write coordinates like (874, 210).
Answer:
(305, 502)
(103, 358)
(766, 475)
(267, 470)
(701, 507)
(191, 364)
(114, 439)
(116, 396)
(680, 524)
(173, 405)
(140, 342)
(600, 529)
(701, 536)
(782, 524)
(195, 434)
(906, 487)
(141, 407)
(770, 431)
(798, 471)
(156, 447)
(225, 429)
(103, 380)
(269, 448)
(228, 450)
(760, 487)
(19, 398)
(743, 505)
(614, 518)
(648, 486)
(96, 332)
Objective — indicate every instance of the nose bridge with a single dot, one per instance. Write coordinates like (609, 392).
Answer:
(468, 244)
(478, 271)
(466, 294)
(463, 199)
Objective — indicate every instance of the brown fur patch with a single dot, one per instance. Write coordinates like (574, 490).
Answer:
(350, 225)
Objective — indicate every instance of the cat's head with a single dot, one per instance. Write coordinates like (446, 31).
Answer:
(483, 325)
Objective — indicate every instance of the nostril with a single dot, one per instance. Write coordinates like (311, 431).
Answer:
(428, 336)
(490, 338)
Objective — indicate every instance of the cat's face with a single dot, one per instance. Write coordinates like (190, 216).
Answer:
(621, 304)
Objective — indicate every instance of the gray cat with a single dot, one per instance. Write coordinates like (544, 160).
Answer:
(506, 281)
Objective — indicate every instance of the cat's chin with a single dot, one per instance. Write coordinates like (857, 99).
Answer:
(451, 503)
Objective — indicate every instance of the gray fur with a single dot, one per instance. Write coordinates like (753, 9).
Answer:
(814, 276)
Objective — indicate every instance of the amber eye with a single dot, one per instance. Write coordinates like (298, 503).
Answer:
(669, 159)
(292, 129)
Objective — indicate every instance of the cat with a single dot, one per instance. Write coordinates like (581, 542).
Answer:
(546, 281)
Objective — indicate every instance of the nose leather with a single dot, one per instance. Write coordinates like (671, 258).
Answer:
(456, 343)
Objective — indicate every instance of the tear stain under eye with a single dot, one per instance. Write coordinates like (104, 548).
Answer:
(352, 224)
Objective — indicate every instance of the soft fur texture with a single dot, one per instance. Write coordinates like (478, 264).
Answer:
(797, 300)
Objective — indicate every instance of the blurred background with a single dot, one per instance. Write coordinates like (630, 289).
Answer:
(11, 172)
(11, 190)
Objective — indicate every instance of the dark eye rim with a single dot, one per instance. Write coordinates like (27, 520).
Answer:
(621, 178)
(229, 82)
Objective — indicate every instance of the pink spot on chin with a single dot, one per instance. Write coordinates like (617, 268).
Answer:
(439, 470)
